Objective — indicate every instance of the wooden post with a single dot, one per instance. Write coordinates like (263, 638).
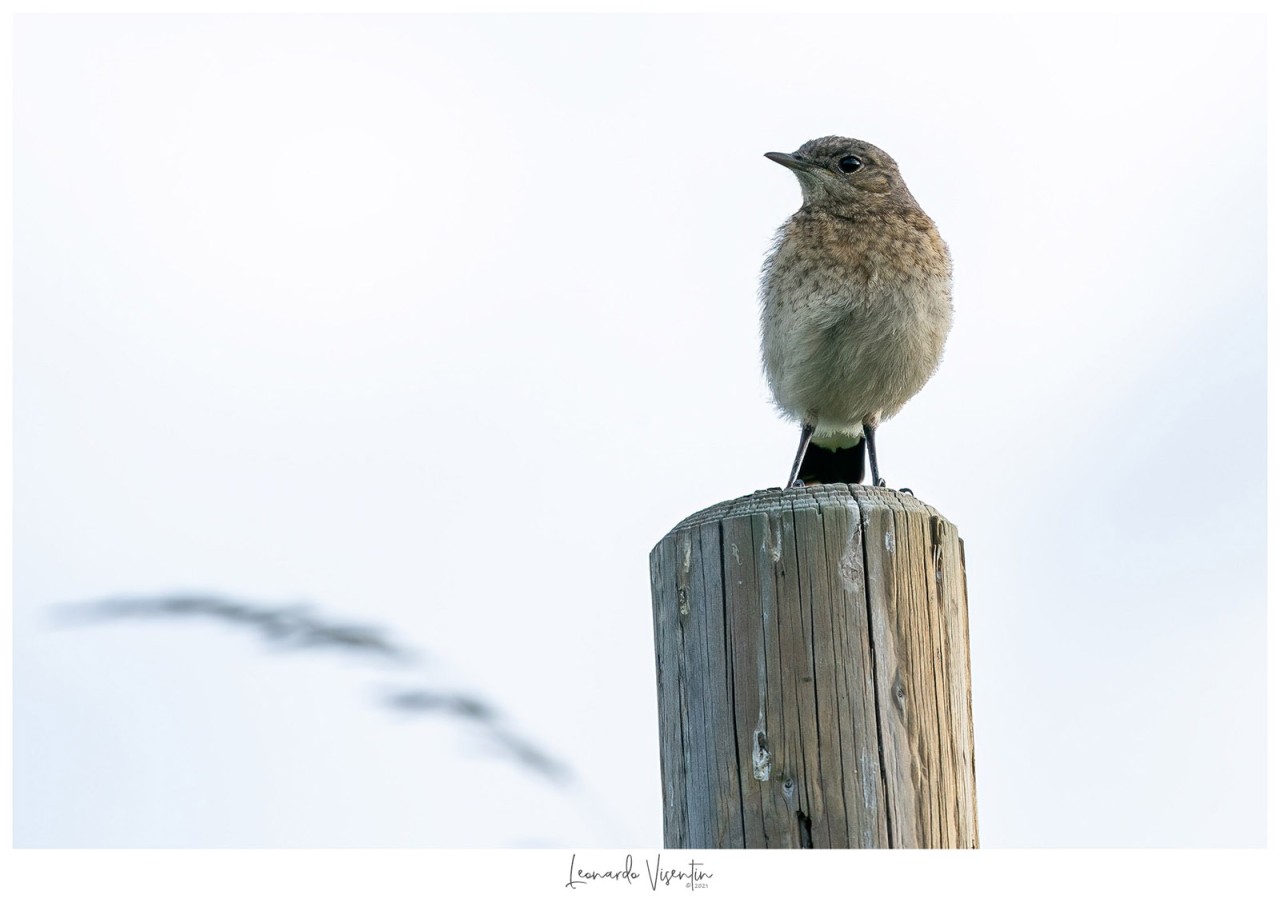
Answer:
(813, 674)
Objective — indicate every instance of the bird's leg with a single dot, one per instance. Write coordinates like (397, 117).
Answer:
(870, 432)
(806, 434)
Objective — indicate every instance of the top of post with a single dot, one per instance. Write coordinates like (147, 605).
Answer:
(775, 499)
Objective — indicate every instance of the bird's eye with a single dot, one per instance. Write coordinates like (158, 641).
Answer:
(849, 164)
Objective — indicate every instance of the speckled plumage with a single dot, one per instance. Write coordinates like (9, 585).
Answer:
(856, 294)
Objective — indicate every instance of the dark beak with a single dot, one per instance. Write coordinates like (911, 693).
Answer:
(795, 163)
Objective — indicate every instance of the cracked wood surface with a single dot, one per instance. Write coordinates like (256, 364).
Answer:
(813, 674)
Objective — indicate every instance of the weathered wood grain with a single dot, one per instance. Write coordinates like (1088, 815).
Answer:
(813, 674)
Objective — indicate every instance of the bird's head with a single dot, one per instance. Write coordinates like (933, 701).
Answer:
(842, 172)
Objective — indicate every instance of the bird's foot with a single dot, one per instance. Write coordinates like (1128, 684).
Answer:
(906, 490)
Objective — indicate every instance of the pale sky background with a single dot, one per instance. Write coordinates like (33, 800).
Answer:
(440, 323)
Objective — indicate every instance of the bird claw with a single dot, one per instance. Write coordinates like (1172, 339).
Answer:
(906, 490)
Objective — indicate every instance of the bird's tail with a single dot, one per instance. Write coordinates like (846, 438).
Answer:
(834, 466)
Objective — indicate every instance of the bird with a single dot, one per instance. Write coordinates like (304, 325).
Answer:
(855, 306)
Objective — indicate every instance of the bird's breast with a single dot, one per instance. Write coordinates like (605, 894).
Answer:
(853, 318)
